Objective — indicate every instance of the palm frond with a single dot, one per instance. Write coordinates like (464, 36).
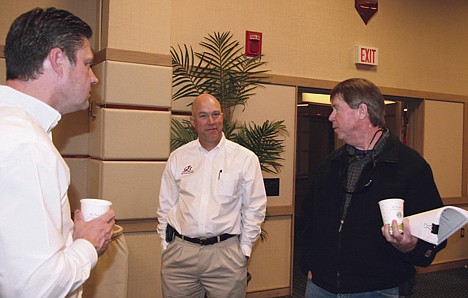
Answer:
(187, 73)
(266, 141)
(230, 128)
(225, 72)
(221, 70)
(182, 133)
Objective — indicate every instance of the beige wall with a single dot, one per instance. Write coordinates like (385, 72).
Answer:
(270, 261)
(422, 44)
(419, 48)
(2, 71)
(273, 102)
(138, 25)
(443, 145)
(144, 265)
(85, 9)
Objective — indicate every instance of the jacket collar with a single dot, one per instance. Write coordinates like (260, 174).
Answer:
(390, 152)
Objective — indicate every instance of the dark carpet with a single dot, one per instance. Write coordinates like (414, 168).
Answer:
(451, 283)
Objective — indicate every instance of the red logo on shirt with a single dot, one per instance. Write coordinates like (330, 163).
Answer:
(187, 170)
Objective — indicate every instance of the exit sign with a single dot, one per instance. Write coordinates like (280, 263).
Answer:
(367, 55)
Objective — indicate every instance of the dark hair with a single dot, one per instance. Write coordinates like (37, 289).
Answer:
(356, 91)
(33, 34)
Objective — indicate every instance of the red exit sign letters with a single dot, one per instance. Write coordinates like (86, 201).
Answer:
(367, 55)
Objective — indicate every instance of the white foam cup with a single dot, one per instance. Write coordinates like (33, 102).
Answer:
(92, 208)
(392, 209)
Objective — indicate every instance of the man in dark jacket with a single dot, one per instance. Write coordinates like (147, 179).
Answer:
(346, 249)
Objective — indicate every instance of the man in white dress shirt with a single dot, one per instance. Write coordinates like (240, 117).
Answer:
(211, 207)
(43, 253)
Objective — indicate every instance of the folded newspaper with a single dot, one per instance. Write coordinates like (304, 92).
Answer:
(436, 225)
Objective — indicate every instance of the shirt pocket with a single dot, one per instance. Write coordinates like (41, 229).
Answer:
(188, 184)
(227, 185)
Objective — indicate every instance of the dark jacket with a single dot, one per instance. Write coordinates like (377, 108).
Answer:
(359, 259)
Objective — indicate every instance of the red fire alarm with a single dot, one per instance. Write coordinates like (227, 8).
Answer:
(253, 43)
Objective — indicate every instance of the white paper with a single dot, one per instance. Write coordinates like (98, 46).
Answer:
(436, 225)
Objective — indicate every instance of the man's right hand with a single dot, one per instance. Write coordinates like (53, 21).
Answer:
(98, 231)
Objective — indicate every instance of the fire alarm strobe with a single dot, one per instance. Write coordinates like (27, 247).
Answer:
(253, 43)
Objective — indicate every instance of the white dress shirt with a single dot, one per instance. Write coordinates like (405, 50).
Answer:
(209, 193)
(38, 257)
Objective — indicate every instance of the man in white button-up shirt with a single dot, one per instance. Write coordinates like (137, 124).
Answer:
(42, 252)
(211, 207)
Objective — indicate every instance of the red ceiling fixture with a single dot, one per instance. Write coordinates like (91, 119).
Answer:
(366, 8)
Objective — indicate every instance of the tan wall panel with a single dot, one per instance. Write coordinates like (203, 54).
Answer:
(146, 28)
(276, 103)
(443, 143)
(130, 134)
(297, 37)
(85, 9)
(144, 278)
(2, 71)
(109, 278)
(71, 134)
(270, 262)
(132, 84)
(133, 187)
(78, 181)
(182, 105)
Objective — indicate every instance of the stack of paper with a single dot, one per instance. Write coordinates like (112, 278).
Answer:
(436, 225)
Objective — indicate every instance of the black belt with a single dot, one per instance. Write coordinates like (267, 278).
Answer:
(205, 241)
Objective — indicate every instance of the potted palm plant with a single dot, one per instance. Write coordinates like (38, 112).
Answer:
(225, 72)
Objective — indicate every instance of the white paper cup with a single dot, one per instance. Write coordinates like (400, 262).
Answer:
(392, 209)
(92, 208)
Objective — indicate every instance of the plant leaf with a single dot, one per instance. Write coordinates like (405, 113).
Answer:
(182, 133)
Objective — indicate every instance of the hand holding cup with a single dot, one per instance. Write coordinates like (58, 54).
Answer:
(392, 209)
(95, 222)
(92, 208)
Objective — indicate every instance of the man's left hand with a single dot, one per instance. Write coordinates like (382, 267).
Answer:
(404, 242)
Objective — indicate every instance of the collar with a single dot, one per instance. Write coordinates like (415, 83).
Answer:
(218, 147)
(372, 153)
(389, 151)
(46, 116)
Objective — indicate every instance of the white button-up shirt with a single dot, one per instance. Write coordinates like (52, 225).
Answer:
(38, 257)
(209, 193)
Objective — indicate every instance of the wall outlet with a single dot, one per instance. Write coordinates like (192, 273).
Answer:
(462, 232)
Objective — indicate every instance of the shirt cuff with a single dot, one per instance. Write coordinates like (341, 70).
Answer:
(89, 250)
(246, 249)
(163, 245)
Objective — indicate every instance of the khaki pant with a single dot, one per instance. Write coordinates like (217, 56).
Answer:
(109, 278)
(188, 269)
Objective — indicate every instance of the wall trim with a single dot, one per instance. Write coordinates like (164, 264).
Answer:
(166, 60)
(132, 57)
(326, 84)
(138, 225)
(443, 266)
(270, 293)
(143, 225)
